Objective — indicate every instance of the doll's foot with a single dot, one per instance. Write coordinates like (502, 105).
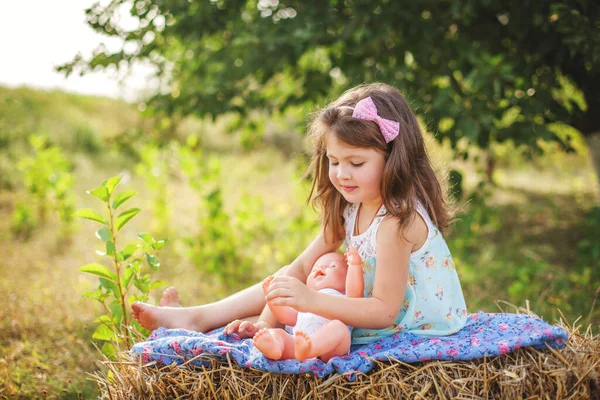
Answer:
(266, 283)
(152, 317)
(353, 256)
(303, 345)
(170, 298)
(266, 343)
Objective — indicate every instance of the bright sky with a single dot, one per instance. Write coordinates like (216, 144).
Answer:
(37, 35)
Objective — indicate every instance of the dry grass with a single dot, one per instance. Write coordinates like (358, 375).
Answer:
(570, 373)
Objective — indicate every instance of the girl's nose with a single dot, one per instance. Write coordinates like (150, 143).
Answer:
(342, 173)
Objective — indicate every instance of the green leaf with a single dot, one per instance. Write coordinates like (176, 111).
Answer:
(97, 295)
(88, 213)
(116, 311)
(125, 216)
(108, 349)
(110, 249)
(127, 252)
(157, 284)
(159, 244)
(100, 193)
(105, 319)
(153, 261)
(99, 270)
(146, 238)
(111, 183)
(135, 297)
(110, 286)
(136, 265)
(127, 276)
(103, 332)
(142, 284)
(104, 234)
(122, 197)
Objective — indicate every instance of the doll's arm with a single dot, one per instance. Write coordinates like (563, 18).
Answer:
(355, 283)
(284, 314)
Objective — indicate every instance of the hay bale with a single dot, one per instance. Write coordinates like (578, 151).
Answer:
(570, 373)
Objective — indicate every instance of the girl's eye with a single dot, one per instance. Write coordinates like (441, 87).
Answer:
(357, 164)
(333, 163)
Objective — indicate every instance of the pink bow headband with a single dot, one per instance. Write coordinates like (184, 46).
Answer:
(367, 111)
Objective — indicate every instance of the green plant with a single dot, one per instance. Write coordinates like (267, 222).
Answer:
(47, 178)
(23, 221)
(216, 247)
(126, 280)
(84, 138)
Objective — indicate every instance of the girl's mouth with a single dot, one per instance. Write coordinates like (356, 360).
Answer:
(349, 189)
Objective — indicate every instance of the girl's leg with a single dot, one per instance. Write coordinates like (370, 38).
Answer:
(246, 303)
(276, 343)
(332, 339)
(170, 298)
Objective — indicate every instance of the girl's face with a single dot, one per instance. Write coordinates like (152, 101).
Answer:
(355, 172)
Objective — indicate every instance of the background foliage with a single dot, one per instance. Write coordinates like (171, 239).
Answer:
(483, 71)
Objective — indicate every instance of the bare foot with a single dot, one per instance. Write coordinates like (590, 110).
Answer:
(152, 317)
(266, 343)
(170, 298)
(303, 345)
(266, 283)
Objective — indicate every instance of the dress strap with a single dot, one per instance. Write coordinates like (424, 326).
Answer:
(423, 212)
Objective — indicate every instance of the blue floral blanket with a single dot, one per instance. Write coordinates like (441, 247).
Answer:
(485, 334)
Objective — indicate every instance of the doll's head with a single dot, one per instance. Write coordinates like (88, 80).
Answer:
(329, 271)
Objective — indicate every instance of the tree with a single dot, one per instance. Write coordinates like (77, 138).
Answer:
(485, 70)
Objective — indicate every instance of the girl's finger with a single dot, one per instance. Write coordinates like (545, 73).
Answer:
(233, 326)
(277, 285)
(272, 294)
(245, 326)
(281, 292)
(284, 301)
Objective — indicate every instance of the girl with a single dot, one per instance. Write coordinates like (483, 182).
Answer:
(377, 191)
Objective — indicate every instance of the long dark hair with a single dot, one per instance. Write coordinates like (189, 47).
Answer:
(408, 175)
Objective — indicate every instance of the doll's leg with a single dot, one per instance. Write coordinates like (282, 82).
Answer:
(332, 339)
(276, 343)
(247, 303)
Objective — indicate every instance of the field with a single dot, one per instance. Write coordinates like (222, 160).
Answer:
(528, 239)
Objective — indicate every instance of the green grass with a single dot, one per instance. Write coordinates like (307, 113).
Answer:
(45, 335)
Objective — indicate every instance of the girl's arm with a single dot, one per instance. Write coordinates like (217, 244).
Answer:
(376, 312)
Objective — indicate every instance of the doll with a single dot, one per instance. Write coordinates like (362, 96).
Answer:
(313, 335)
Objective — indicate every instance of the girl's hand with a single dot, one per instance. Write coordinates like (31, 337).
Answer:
(289, 291)
(245, 329)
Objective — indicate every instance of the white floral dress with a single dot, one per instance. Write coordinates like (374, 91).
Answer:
(433, 302)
